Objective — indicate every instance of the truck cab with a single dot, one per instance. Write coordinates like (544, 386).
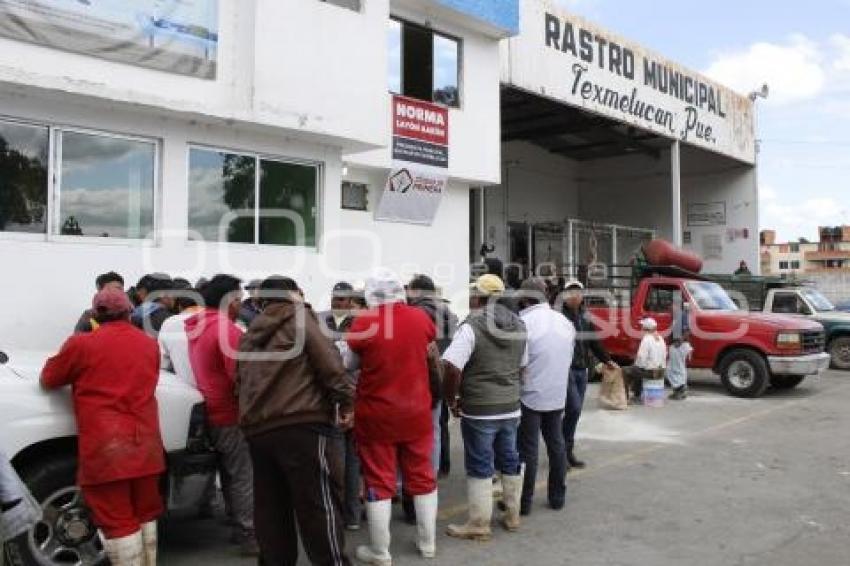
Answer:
(807, 302)
(750, 351)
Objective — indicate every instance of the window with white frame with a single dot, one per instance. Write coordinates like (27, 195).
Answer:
(423, 64)
(245, 198)
(103, 184)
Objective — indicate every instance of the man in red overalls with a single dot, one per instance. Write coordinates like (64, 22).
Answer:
(398, 363)
(113, 373)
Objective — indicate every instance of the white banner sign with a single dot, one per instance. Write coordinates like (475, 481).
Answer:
(571, 60)
(412, 194)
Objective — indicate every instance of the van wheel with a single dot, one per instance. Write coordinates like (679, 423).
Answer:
(744, 373)
(839, 352)
(786, 381)
(66, 533)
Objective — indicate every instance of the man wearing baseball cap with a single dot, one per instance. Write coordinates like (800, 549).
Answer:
(587, 346)
(114, 373)
(483, 369)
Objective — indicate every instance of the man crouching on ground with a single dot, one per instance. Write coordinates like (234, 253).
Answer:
(484, 364)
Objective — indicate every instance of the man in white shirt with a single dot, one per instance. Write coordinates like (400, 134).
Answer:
(482, 384)
(551, 341)
(173, 340)
(651, 359)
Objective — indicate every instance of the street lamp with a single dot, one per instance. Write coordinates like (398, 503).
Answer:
(764, 92)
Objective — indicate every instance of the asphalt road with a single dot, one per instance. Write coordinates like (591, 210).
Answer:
(710, 481)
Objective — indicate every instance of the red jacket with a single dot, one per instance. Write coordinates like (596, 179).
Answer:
(213, 347)
(393, 401)
(113, 374)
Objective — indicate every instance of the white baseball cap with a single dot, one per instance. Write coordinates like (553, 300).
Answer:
(573, 284)
(649, 323)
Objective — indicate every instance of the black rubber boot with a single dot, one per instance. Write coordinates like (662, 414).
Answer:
(574, 462)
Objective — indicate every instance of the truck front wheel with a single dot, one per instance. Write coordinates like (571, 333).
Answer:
(744, 373)
(66, 534)
(839, 352)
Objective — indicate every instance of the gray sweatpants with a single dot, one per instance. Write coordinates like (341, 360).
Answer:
(235, 461)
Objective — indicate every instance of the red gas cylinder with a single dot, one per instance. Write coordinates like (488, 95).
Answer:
(662, 252)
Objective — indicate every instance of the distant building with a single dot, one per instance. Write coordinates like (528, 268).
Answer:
(830, 253)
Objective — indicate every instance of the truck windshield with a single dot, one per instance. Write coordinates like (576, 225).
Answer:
(710, 296)
(817, 300)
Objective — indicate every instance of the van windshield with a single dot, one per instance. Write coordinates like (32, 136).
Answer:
(817, 300)
(710, 296)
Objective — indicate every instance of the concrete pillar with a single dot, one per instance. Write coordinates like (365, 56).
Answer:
(676, 191)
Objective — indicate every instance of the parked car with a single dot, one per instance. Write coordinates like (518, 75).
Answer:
(750, 351)
(810, 303)
(38, 432)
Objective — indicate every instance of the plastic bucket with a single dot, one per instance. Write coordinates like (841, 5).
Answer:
(653, 392)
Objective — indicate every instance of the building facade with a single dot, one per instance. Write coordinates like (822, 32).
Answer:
(323, 138)
(830, 254)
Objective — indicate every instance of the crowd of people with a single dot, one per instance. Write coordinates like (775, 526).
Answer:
(318, 419)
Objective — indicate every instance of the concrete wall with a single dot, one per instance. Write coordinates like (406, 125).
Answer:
(474, 128)
(278, 66)
(633, 190)
(49, 281)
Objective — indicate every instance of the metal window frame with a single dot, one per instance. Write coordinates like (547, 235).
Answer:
(34, 236)
(460, 67)
(317, 165)
(56, 176)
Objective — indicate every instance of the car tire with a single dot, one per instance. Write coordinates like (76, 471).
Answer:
(53, 484)
(839, 352)
(786, 381)
(744, 373)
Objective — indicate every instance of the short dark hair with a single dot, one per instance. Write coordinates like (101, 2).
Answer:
(105, 279)
(422, 283)
(276, 287)
(153, 282)
(181, 284)
(214, 292)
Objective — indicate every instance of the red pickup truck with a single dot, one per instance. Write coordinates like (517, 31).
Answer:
(750, 351)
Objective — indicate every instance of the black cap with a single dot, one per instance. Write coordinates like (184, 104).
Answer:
(343, 288)
(422, 283)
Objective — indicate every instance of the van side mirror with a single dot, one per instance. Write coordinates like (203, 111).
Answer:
(4, 359)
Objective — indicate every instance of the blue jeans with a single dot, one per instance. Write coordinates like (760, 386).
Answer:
(575, 400)
(490, 446)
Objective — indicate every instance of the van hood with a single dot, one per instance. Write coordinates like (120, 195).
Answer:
(775, 321)
(25, 364)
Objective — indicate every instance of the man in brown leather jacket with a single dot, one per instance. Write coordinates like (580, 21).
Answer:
(294, 396)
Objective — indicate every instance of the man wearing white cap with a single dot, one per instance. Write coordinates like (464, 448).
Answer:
(483, 375)
(399, 376)
(651, 358)
(587, 346)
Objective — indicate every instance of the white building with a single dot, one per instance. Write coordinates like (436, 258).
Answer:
(146, 158)
(217, 135)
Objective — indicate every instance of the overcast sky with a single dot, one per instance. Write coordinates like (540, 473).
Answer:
(802, 51)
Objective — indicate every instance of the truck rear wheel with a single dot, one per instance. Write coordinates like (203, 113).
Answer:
(744, 373)
(786, 381)
(839, 352)
(66, 533)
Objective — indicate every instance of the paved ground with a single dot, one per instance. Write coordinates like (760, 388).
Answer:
(711, 481)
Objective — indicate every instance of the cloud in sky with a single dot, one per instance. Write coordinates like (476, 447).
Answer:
(794, 69)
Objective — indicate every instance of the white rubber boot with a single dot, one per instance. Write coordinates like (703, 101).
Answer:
(513, 494)
(377, 553)
(149, 543)
(477, 527)
(124, 551)
(426, 523)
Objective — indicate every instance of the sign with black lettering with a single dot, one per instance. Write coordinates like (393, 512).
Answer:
(576, 62)
(707, 214)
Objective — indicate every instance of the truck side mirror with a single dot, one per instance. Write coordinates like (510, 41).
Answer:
(4, 359)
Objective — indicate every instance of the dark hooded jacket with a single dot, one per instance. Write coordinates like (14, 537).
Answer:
(491, 383)
(442, 317)
(302, 382)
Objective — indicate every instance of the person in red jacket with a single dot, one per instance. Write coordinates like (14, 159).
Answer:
(113, 374)
(398, 361)
(213, 349)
